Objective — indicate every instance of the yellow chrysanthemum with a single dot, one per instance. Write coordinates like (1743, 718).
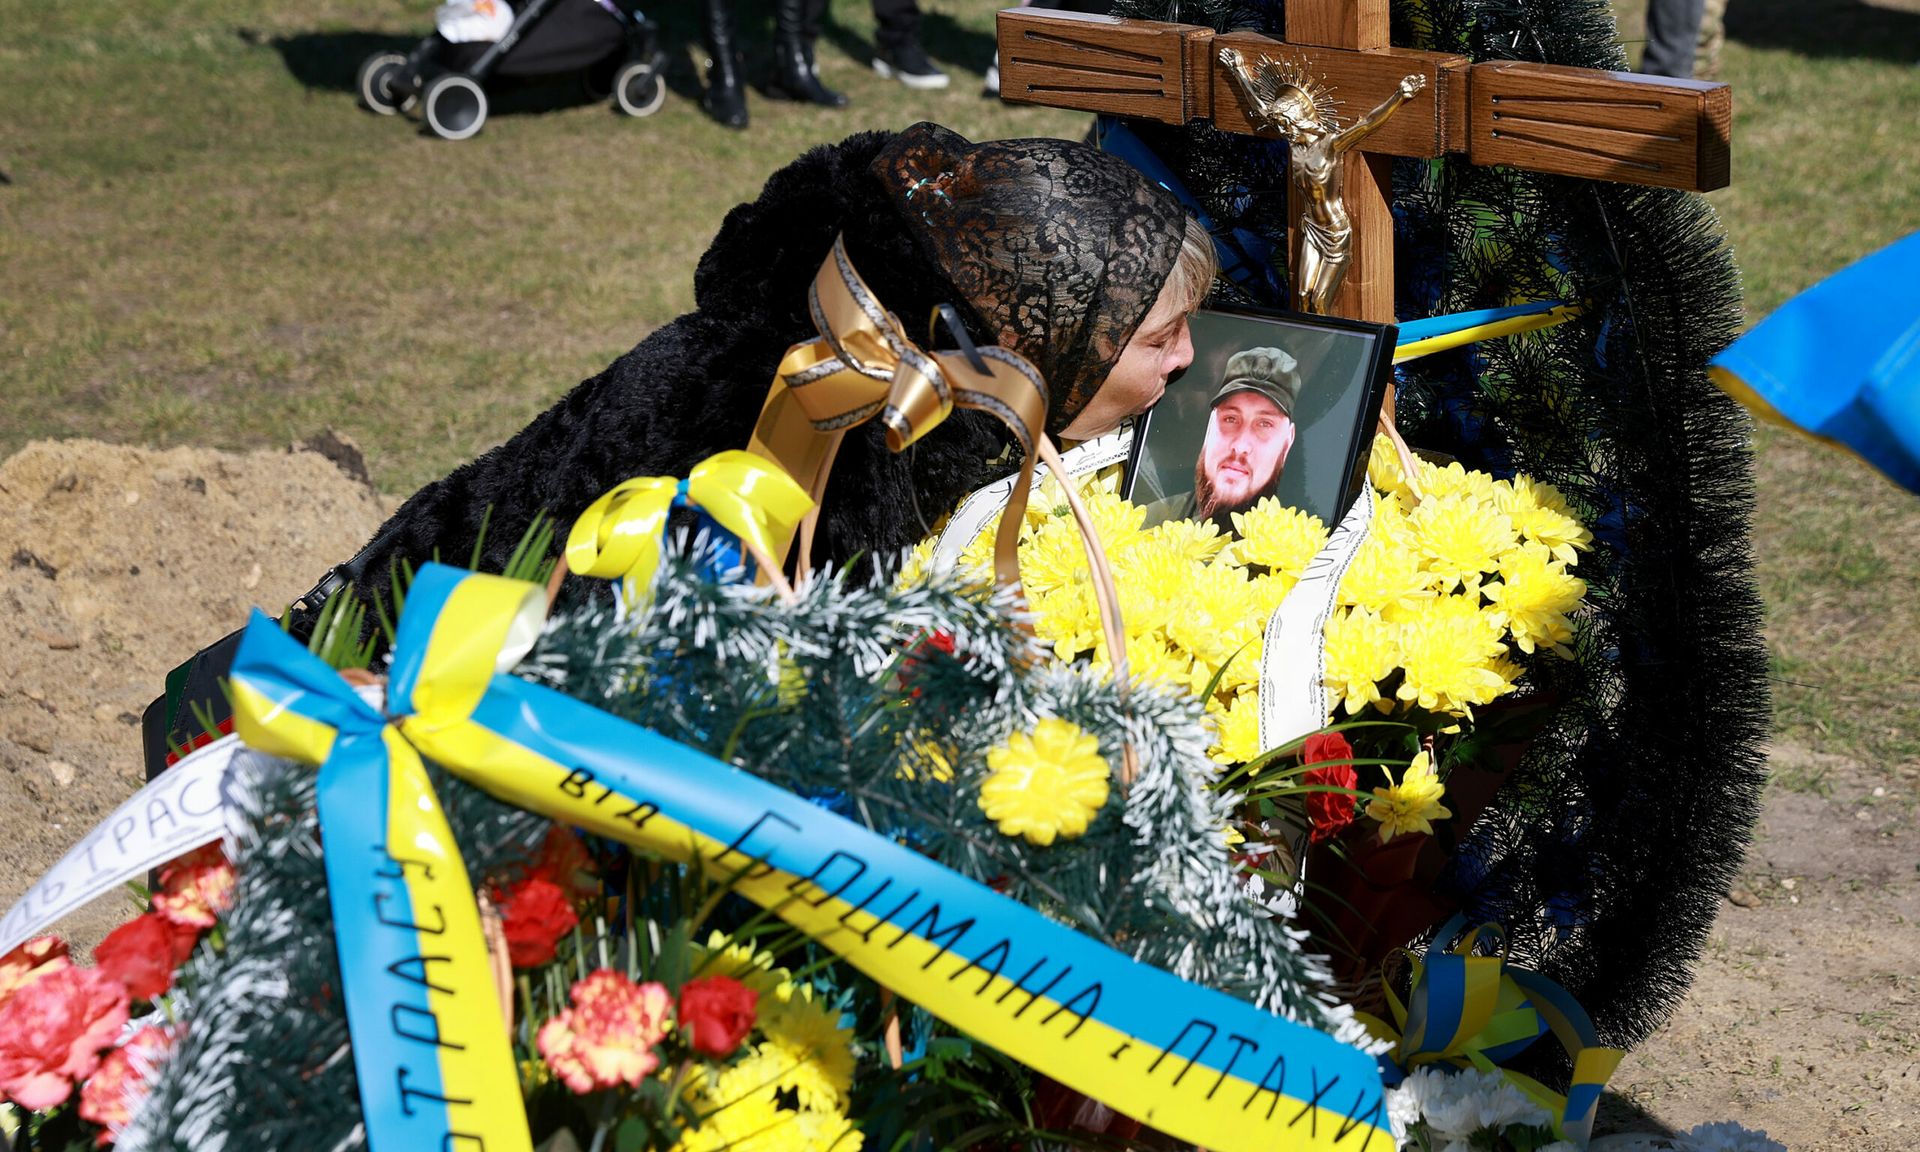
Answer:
(1214, 621)
(1152, 578)
(1461, 538)
(918, 565)
(1390, 524)
(804, 1050)
(1449, 481)
(722, 955)
(1237, 730)
(1046, 785)
(1269, 592)
(1195, 540)
(1445, 653)
(1410, 805)
(1278, 538)
(739, 1111)
(1360, 651)
(827, 1132)
(1509, 674)
(1540, 514)
(1383, 466)
(1241, 673)
(977, 556)
(1385, 577)
(1149, 661)
(1053, 558)
(1115, 519)
(1417, 604)
(1533, 597)
(1067, 618)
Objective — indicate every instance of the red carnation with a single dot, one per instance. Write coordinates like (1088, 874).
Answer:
(717, 1012)
(1329, 812)
(29, 962)
(142, 954)
(564, 860)
(535, 914)
(117, 1089)
(196, 888)
(52, 1033)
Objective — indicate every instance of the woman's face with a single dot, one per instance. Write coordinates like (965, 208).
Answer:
(1160, 347)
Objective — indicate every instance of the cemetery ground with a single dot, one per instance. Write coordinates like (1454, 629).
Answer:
(209, 253)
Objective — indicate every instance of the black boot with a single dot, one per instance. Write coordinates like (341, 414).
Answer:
(726, 98)
(796, 24)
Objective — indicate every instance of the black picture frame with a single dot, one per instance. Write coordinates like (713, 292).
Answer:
(1345, 368)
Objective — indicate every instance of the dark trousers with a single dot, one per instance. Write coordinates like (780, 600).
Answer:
(1673, 27)
(897, 23)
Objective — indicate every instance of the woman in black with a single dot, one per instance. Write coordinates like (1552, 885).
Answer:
(1049, 248)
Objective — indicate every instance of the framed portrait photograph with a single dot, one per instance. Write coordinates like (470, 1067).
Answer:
(1274, 404)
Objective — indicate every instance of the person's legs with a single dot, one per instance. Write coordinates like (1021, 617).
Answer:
(796, 25)
(725, 99)
(898, 54)
(1713, 37)
(1672, 27)
(896, 23)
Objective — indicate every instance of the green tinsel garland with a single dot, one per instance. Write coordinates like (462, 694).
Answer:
(838, 696)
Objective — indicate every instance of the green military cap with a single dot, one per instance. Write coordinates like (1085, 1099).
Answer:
(1269, 371)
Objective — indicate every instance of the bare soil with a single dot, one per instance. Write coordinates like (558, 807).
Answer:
(1804, 1019)
(117, 563)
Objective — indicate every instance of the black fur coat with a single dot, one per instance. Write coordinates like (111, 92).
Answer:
(695, 386)
(1051, 248)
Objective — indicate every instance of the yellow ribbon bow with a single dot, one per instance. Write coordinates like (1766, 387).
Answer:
(863, 367)
(618, 536)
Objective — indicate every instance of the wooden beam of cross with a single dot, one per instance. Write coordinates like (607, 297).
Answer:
(1544, 118)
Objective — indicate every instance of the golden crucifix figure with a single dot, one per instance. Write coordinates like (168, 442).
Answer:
(1284, 100)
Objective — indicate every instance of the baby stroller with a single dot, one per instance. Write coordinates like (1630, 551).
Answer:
(613, 46)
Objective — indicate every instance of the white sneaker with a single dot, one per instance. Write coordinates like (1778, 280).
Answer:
(910, 66)
(991, 83)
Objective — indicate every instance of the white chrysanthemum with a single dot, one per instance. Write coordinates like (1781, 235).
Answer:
(1727, 1136)
(1407, 1103)
(1474, 1100)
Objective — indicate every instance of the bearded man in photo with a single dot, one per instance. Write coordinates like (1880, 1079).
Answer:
(1249, 433)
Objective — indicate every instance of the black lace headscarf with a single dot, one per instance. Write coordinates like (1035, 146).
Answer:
(1047, 247)
(1061, 250)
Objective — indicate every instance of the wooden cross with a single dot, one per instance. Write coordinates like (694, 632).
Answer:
(1545, 118)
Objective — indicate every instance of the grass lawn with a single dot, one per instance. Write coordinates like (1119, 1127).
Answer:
(203, 241)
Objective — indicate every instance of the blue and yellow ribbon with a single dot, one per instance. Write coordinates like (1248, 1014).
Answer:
(430, 1043)
(1468, 1009)
(1195, 1063)
(619, 536)
(1419, 338)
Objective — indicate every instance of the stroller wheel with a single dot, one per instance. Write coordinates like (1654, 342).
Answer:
(638, 89)
(375, 83)
(455, 106)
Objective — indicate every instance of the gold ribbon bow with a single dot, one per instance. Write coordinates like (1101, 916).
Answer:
(863, 367)
(618, 536)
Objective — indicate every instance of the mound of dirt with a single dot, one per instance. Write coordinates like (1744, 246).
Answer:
(116, 564)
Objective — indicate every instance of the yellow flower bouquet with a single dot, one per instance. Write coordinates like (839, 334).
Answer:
(1461, 583)
(1458, 573)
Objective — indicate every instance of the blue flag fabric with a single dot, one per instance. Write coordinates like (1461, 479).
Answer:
(1841, 362)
